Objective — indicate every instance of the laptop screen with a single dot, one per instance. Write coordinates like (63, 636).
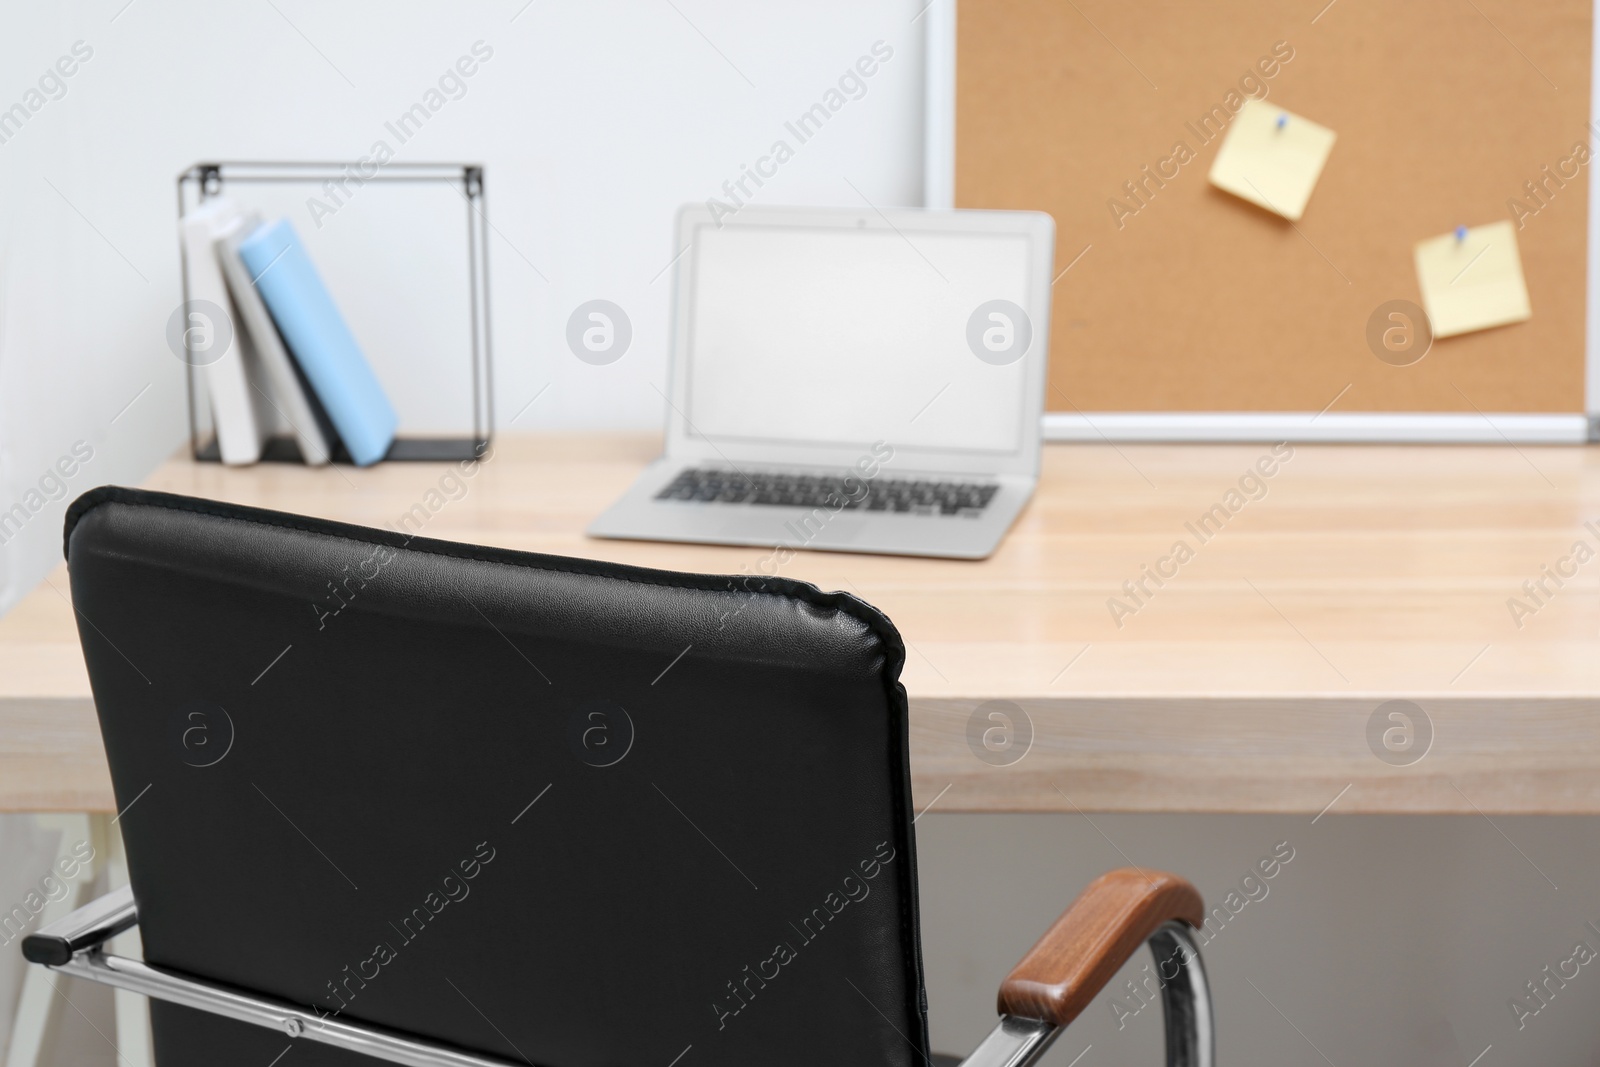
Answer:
(803, 335)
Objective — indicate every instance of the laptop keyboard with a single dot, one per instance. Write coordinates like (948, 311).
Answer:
(918, 497)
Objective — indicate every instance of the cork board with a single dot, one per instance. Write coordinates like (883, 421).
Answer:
(1188, 299)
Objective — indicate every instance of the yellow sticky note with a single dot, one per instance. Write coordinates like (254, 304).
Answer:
(1472, 282)
(1272, 158)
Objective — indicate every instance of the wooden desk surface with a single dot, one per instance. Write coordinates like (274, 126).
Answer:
(1244, 682)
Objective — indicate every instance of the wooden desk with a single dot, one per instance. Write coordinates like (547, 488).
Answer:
(1244, 683)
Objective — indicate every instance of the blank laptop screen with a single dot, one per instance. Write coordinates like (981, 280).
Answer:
(807, 335)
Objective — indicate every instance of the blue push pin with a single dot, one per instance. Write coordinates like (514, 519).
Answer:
(1283, 120)
(1461, 234)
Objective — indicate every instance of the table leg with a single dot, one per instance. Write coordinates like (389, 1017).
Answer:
(42, 997)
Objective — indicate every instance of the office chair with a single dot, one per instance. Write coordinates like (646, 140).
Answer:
(395, 799)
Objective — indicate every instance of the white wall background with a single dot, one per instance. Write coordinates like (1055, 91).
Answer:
(595, 121)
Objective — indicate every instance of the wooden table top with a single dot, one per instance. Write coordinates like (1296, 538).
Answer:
(1244, 676)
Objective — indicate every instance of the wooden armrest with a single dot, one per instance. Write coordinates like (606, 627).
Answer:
(1091, 941)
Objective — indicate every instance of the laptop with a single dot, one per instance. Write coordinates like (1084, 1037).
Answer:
(853, 381)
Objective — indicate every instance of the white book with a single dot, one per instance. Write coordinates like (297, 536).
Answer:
(234, 408)
(271, 368)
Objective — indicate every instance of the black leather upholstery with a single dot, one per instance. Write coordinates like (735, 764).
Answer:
(333, 808)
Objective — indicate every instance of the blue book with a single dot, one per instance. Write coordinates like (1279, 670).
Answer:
(320, 341)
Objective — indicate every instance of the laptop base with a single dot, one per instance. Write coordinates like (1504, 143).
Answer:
(640, 516)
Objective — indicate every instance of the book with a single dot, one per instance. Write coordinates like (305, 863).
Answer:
(236, 409)
(320, 341)
(278, 376)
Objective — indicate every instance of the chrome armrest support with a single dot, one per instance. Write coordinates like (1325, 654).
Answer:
(1185, 997)
(1185, 1005)
(1014, 1042)
(72, 947)
(89, 927)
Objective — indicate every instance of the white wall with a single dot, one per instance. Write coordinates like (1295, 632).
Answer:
(595, 121)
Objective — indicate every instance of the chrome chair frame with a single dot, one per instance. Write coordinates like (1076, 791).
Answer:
(74, 946)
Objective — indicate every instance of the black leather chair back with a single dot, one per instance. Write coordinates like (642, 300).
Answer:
(560, 811)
